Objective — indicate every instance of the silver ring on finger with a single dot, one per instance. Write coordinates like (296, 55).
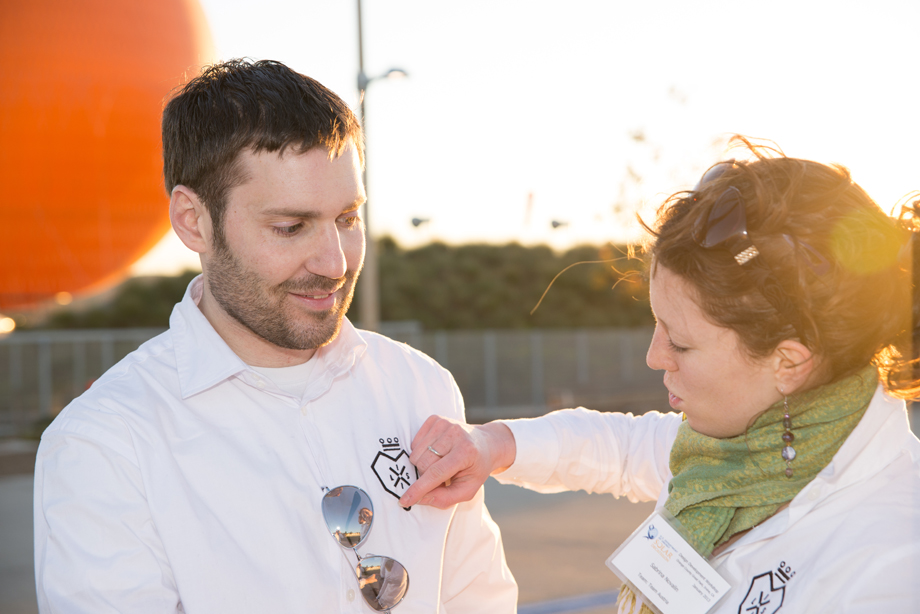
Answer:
(435, 452)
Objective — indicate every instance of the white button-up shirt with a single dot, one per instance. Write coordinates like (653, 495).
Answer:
(848, 542)
(185, 481)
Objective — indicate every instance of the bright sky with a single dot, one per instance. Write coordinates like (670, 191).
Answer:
(518, 113)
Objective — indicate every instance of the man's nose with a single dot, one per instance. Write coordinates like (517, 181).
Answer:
(326, 255)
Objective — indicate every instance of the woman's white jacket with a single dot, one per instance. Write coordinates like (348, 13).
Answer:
(848, 542)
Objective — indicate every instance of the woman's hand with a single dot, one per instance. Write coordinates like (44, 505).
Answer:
(468, 456)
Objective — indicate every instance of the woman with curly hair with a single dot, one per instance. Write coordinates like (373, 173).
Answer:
(782, 298)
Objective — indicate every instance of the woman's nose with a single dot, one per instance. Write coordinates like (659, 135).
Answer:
(658, 357)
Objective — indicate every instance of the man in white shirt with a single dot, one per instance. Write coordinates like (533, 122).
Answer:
(192, 476)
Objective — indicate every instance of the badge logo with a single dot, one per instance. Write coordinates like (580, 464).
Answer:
(763, 597)
(652, 532)
(392, 467)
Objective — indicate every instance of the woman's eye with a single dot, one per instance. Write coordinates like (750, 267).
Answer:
(676, 348)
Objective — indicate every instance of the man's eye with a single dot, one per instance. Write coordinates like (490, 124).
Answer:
(349, 221)
(287, 231)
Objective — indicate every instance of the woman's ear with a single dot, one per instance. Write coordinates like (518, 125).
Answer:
(793, 366)
(190, 219)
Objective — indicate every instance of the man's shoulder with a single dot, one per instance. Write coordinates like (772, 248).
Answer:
(155, 358)
(384, 349)
(411, 374)
(124, 391)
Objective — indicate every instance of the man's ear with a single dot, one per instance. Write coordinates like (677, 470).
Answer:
(190, 219)
(794, 366)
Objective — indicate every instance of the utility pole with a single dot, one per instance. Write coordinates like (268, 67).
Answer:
(368, 283)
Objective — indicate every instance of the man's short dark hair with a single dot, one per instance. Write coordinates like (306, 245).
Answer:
(238, 105)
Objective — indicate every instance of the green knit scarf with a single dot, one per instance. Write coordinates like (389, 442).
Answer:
(722, 487)
(725, 486)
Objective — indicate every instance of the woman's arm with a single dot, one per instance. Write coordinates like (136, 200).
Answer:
(572, 449)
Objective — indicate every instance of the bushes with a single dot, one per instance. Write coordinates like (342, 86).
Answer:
(443, 287)
(496, 286)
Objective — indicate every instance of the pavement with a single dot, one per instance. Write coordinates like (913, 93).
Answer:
(555, 544)
(17, 585)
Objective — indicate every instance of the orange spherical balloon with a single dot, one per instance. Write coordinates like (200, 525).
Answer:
(82, 88)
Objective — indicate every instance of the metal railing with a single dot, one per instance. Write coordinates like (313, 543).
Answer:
(501, 373)
(517, 373)
(41, 371)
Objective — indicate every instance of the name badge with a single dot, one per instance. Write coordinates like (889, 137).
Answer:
(659, 564)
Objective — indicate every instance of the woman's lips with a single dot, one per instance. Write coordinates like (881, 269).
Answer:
(674, 400)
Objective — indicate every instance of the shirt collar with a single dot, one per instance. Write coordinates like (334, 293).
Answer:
(881, 435)
(204, 359)
(336, 358)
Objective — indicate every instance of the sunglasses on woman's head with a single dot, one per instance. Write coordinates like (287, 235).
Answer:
(724, 226)
(349, 515)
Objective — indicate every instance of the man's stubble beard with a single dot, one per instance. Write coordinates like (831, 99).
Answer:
(265, 310)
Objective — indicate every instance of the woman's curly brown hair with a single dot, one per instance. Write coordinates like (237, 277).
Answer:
(856, 312)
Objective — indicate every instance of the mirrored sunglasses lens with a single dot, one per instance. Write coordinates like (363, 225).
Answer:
(726, 219)
(383, 581)
(348, 513)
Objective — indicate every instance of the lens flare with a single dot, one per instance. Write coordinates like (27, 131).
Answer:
(865, 244)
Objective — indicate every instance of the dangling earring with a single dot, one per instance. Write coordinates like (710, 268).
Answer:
(788, 437)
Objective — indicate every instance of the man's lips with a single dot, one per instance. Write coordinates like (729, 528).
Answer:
(317, 299)
(316, 296)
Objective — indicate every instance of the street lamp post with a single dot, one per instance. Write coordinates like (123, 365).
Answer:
(369, 282)
(914, 370)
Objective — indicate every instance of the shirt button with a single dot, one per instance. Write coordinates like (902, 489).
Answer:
(260, 383)
(350, 595)
(814, 494)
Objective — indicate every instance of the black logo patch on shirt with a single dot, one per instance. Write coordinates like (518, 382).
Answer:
(767, 591)
(392, 467)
